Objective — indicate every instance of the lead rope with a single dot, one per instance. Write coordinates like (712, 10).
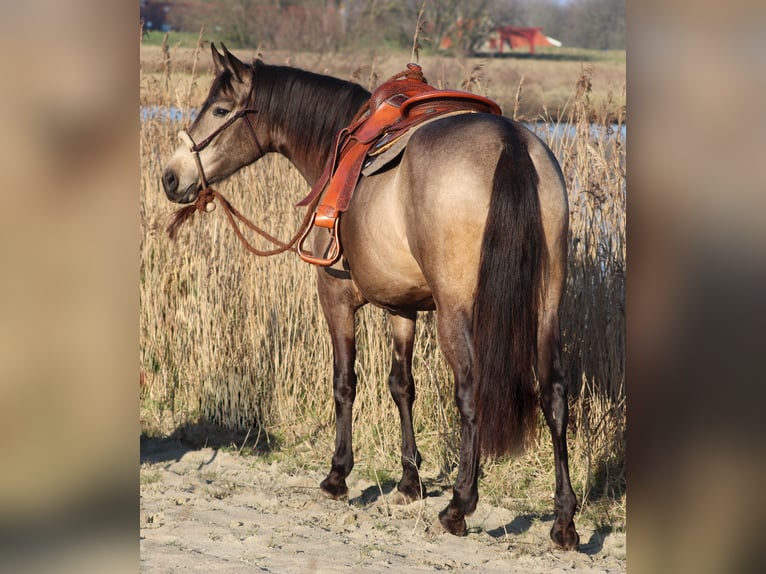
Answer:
(208, 195)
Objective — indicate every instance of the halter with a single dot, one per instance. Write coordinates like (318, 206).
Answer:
(208, 194)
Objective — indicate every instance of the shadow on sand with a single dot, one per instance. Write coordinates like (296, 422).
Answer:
(202, 434)
(523, 523)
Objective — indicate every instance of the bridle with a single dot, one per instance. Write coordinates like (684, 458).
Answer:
(195, 148)
(208, 194)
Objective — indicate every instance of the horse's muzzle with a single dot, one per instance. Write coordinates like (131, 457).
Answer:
(170, 185)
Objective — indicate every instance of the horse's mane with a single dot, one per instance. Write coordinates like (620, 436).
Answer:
(292, 98)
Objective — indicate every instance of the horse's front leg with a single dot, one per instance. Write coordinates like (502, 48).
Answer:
(339, 310)
(402, 387)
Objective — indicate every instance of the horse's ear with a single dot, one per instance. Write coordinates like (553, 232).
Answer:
(236, 67)
(218, 60)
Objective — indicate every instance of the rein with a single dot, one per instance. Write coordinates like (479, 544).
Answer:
(208, 195)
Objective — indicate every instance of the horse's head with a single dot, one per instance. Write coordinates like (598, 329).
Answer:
(224, 134)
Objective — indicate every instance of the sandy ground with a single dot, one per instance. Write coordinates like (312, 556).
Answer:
(207, 510)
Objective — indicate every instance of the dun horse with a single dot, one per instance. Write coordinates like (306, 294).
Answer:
(471, 221)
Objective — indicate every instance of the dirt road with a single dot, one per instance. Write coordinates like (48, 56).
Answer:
(207, 510)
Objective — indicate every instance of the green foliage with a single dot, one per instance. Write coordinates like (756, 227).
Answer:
(183, 39)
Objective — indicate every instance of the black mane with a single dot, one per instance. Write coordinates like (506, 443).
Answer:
(310, 108)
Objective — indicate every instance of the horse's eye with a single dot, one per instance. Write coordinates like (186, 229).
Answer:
(220, 112)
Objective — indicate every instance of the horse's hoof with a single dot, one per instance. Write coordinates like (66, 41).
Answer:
(565, 538)
(333, 489)
(411, 492)
(452, 525)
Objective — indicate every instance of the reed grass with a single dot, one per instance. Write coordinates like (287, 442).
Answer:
(239, 342)
(548, 81)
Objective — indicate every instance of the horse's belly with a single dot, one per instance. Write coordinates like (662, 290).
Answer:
(393, 282)
(374, 234)
(412, 297)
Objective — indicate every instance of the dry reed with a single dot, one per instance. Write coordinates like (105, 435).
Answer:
(240, 341)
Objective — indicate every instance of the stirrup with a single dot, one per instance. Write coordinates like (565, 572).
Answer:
(334, 249)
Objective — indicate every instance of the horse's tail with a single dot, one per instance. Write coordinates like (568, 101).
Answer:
(508, 297)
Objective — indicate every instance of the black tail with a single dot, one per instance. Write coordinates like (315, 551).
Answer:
(508, 298)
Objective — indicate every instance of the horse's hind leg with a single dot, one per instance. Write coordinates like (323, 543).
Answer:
(553, 397)
(402, 387)
(454, 329)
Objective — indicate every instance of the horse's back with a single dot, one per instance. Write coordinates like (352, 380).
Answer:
(419, 226)
(452, 163)
(448, 175)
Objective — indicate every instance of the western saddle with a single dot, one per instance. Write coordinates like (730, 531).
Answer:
(378, 134)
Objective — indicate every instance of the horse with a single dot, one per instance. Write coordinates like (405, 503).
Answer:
(470, 221)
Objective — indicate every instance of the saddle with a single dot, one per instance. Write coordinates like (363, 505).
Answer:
(377, 135)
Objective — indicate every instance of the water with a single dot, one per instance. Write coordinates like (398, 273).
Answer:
(172, 113)
(562, 129)
(167, 113)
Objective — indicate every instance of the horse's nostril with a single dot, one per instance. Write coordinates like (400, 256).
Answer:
(169, 181)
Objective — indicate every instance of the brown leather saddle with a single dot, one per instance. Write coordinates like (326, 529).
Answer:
(385, 122)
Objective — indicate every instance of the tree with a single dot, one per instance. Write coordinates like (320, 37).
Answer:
(599, 24)
(334, 24)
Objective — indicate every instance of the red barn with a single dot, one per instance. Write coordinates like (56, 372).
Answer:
(516, 37)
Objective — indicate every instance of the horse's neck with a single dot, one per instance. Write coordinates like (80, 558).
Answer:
(310, 160)
(310, 167)
(307, 137)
